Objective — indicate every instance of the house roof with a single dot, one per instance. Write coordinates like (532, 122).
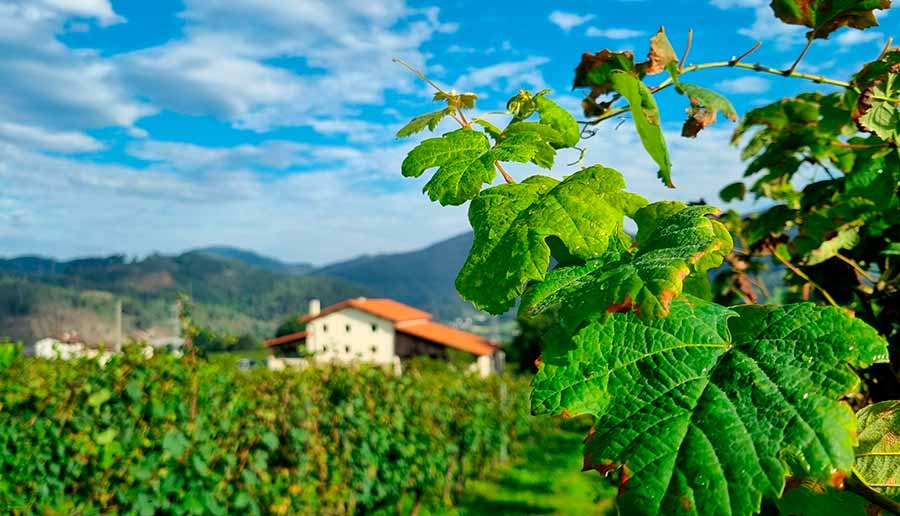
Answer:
(284, 339)
(389, 309)
(450, 337)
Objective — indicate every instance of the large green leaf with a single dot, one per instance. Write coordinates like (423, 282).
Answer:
(826, 16)
(513, 223)
(878, 82)
(673, 241)
(707, 410)
(646, 120)
(878, 453)
(463, 166)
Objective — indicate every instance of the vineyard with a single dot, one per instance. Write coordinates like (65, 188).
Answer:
(76, 438)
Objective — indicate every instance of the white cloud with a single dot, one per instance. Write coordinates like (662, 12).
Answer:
(506, 76)
(766, 27)
(227, 64)
(746, 84)
(851, 37)
(46, 84)
(568, 21)
(41, 139)
(613, 33)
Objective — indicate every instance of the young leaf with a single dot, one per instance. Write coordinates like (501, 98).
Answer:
(707, 410)
(661, 54)
(826, 16)
(463, 168)
(512, 223)
(675, 241)
(646, 119)
(562, 121)
(417, 124)
(878, 453)
(704, 106)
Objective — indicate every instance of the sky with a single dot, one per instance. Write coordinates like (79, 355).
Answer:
(137, 127)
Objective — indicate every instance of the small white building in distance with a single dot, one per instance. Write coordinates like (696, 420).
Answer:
(381, 331)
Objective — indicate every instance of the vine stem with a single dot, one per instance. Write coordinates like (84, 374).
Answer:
(504, 173)
(803, 275)
(735, 63)
(856, 485)
(852, 263)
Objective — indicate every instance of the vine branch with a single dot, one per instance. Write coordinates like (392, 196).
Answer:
(856, 485)
(803, 275)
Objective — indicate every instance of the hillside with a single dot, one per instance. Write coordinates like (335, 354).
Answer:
(256, 260)
(40, 296)
(423, 278)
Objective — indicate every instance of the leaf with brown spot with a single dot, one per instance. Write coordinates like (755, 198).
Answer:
(705, 104)
(711, 404)
(674, 240)
(877, 81)
(595, 70)
(826, 16)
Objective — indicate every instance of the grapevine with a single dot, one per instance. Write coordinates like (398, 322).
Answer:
(701, 405)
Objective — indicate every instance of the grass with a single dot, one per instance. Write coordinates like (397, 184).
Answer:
(545, 479)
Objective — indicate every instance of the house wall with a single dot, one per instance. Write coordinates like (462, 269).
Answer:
(348, 335)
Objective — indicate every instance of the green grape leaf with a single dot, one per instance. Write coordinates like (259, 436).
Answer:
(826, 16)
(661, 54)
(455, 99)
(812, 498)
(708, 410)
(679, 241)
(646, 120)
(846, 238)
(733, 191)
(524, 142)
(551, 114)
(880, 116)
(512, 223)
(878, 452)
(460, 156)
(876, 106)
(419, 123)
(704, 106)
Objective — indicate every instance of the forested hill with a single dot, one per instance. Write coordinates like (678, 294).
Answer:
(235, 290)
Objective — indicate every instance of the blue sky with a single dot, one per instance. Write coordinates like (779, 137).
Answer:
(134, 127)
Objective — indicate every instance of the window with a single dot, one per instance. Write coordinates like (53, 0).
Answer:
(347, 327)
(347, 349)
(324, 328)
(374, 349)
(374, 327)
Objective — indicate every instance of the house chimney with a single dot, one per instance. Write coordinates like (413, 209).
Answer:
(315, 306)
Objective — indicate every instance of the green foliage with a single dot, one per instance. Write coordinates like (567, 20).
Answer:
(513, 223)
(674, 242)
(879, 446)
(700, 407)
(9, 352)
(704, 415)
(79, 438)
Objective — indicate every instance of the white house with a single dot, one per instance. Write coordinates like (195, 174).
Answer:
(382, 331)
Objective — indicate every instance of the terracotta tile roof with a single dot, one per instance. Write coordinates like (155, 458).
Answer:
(447, 336)
(284, 339)
(385, 308)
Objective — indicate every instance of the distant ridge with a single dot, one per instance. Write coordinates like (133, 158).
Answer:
(255, 259)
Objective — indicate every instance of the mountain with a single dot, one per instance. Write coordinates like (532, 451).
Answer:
(256, 260)
(41, 296)
(234, 289)
(423, 278)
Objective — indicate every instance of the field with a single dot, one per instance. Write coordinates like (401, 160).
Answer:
(166, 435)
